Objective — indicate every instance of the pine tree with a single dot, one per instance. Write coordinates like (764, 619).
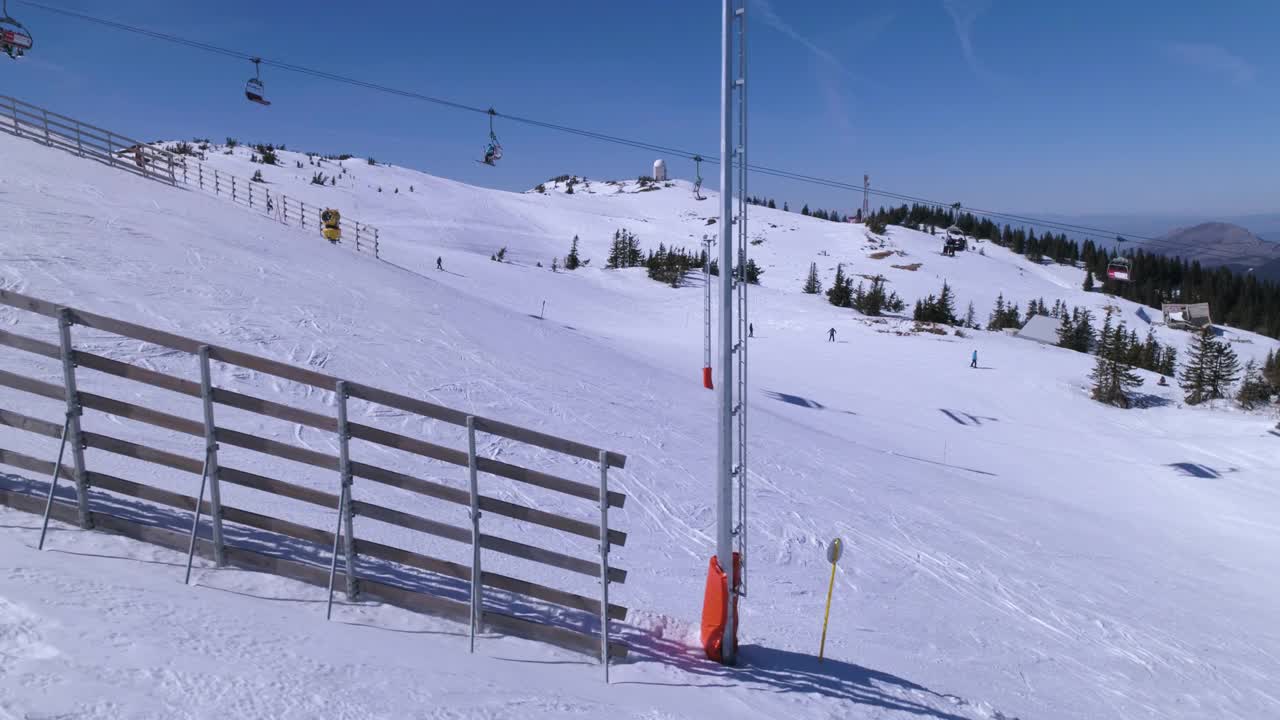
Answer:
(840, 293)
(812, 285)
(971, 318)
(1271, 370)
(772, 205)
(1195, 373)
(1066, 332)
(1255, 391)
(1112, 377)
(997, 315)
(554, 266)
(1088, 281)
(805, 210)
(571, 261)
(785, 207)
(1084, 332)
(1168, 361)
(1225, 370)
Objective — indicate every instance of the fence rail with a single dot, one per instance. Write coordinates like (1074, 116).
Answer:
(119, 151)
(340, 539)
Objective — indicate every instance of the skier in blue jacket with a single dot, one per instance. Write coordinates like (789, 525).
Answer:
(974, 363)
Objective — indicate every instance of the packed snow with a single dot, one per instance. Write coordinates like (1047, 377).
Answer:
(1013, 548)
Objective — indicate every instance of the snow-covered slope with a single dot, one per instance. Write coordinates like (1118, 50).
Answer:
(1014, 549)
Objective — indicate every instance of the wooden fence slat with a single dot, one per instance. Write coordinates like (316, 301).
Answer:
(28, 303)
(35, 387)
(323, 538)
(31, 345)
(489, 542)
(276, 487)
(138, 374)
(141, 414)
(493, 580)
(102, 481)
(142, 452)
(278, 449)
(411, 522)
(279, 411)
(549, 442)
(30, 424)
(34, 465)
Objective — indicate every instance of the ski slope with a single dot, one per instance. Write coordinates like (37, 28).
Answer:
(1013, 549)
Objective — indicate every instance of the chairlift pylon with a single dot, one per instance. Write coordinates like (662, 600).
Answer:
(15, 38)
(254, 90)
(492, 151)
(697, 183)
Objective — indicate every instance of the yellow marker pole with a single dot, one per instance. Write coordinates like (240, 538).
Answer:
(833, 554)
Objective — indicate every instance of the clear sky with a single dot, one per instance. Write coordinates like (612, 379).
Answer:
(1058, 107)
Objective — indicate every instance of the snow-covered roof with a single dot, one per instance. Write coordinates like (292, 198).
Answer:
(1040, 328)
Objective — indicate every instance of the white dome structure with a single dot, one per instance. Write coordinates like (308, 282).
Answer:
(659, 170)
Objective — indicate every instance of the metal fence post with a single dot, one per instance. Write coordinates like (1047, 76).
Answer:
(344, 460)
(195, 520)
(375, 243)
(345, 526)
(53, 483)
(357, 224)
(217, 185)
(47, 139)
(79, 142)
(73, 416)
(17, 128)
(477, 584)
(111, 150)
(211, 456)
(233, 188)
(251, 193)
(200, 174)
(604, 563)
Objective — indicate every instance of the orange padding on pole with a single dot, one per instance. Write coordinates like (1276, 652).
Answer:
(713, 607)
(706, 378)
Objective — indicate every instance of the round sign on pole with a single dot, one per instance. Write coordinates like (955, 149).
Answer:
(834, 551)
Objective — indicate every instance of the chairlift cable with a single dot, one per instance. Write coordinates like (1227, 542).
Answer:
(1061, 226)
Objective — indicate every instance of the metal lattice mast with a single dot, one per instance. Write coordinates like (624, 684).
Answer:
(744, 333)
(731, 445)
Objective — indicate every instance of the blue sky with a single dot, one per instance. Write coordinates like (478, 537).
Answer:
(1067, 108)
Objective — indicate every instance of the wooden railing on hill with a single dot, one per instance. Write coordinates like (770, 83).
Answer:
(124, 153)
(91, 510)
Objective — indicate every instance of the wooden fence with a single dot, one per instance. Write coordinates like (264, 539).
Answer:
(89, 141)
(90, 509)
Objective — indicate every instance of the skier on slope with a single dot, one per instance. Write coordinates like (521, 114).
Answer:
(751, 330)
(974, 362)
(831, 335)
(439, 263)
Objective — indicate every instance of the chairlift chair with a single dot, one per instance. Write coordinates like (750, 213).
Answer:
(492, 151)
(1119, 269)
(15, 38)
(697, 183)
(254, 90)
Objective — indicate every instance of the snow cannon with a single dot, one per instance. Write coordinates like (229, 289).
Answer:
(331, 225)
(714, 605)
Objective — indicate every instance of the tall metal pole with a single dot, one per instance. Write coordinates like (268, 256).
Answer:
(724, 446)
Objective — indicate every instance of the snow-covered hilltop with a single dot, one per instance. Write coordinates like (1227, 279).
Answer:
(1013, 548)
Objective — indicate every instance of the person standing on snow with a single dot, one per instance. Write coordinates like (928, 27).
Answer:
(751, 330)
(974, 362)
(831, 335)
(439, 263)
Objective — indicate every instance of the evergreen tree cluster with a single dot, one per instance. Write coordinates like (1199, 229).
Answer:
(1004, 315)
(1255, 389)
(1238, 300)
(625, 250)
(940, 308)
(1211, 368)
(1113, 376)
(669, 266)
(875, 301)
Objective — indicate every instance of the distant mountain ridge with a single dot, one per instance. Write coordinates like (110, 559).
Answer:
(1217, 244)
